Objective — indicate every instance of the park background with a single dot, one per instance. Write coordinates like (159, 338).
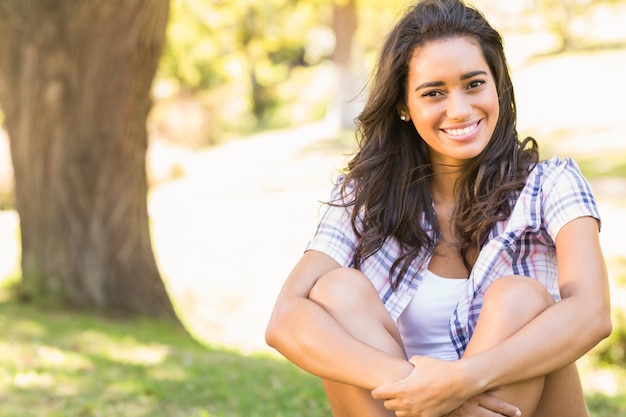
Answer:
(249, 125)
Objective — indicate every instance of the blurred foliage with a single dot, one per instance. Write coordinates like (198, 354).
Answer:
(236, 67)
(612, 351)
(611, 164)
(212, 43)
(572, 21)
(603, 405)
(240, 61)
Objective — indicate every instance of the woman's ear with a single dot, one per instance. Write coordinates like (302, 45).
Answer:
(404, 114)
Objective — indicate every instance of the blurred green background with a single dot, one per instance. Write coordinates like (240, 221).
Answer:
(250, 122)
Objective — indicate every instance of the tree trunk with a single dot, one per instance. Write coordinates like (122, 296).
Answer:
(345, 23)
(75, 80)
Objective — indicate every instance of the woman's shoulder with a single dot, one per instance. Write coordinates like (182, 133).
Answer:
(557, 182)
(556, 169)
(562, 191)
(556, 163)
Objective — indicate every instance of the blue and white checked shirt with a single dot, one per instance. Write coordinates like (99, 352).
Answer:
(555, 193)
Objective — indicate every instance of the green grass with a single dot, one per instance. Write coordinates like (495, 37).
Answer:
(60, 363)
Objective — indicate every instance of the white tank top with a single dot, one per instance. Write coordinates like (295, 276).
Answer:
(425, 323)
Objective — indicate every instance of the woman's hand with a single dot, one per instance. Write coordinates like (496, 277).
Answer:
(436, 388)
(485, 405)
(432, 389)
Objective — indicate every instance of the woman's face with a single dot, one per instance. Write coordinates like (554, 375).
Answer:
(452, 99)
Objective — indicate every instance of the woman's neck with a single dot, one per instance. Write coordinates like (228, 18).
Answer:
(442, 185)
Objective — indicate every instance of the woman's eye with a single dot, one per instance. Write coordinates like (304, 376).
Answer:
(476, 83)
(433, 93)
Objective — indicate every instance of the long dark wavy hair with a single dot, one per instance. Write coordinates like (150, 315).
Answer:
(391, 169)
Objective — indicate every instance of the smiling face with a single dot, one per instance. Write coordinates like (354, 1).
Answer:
(451, 99)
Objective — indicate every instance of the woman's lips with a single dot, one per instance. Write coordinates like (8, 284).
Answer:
(461, 132)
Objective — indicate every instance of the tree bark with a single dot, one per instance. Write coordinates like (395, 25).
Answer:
(75, 79)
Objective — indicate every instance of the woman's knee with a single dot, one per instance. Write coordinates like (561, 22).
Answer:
(522, 297)
(351, 299)
(343, 286)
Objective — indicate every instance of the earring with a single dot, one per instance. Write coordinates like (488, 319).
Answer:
(403, 118)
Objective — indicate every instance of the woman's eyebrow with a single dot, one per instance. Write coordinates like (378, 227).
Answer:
(440, 83)
(473, 74)
(429, 85)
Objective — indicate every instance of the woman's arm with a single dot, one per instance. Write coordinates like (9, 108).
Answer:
(303, 332)
(555, 338)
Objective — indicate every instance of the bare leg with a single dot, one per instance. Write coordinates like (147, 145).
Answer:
(563, 395)
(510, 303)
(349, 297)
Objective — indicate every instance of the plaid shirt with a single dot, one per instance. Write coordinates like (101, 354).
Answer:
(555, 194)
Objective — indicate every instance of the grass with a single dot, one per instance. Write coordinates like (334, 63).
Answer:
(61, 363)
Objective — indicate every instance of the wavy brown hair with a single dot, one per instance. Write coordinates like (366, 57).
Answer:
(391, 169)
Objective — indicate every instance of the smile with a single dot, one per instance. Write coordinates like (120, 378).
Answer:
(462, 132)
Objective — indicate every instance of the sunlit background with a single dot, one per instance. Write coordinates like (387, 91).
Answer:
(251, 122)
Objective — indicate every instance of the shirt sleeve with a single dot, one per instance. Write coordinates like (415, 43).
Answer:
(567, 196)
(335, 236)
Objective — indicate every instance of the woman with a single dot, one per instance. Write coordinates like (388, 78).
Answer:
(448, 243)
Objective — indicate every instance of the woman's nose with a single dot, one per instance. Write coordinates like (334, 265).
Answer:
(459, 107)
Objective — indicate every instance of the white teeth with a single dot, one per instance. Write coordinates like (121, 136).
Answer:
(460, 132)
